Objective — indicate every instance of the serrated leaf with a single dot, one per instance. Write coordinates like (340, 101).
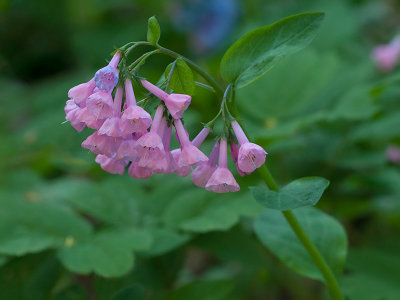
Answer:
(108, 253)
(181, 78)
(325, 232)
(257, 52)
(301, 192)
(153, 30)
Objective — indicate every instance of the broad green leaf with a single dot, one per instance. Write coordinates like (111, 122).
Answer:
(181, 78)
(27, 227)
(108, 253)
(165, 240)
(153, 30)
(257, 52)
(210, 290)
(372, 274)
(326, 233)
(135, 291)
(301, 192)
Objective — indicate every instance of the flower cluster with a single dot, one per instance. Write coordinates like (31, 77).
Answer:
(387, 56)
(126, 135)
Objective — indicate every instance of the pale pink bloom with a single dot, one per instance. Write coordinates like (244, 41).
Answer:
(87, 117)
(165, 133)
(251, 156)
(386, 56)
(81, 92)
(134, 118)
(190, 154)
(71, 110)
(139, 172)
(111, 165)
(107, 78)
(100, 104)
(102, 144)
(126, 150)
(176, 103)
(234, 155)
(222, 180)
(110, 126)
(393, 154)
(149, 148)
(203, 172)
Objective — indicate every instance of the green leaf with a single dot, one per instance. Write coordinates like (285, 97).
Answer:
(301, 192)
(27, 227)
(181, 78)
(153, 30)
(256, 52)
(165, 240)
(132, 292)
(108, 253)
(210, 290)
(325, 232)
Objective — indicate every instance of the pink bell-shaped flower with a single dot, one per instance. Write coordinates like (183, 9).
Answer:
(71, 111)
(126, 150)
(107, 78)
(87, 117)
(222, 180)
(175, 103)
(102, 144)
(110, 126)
(251, 156)
(100, 104)
(203, 172)
(135, 171)
(111, 165)
(134, 118)
(190, 154)
(81, 92)
(149, 148)
(234, 154)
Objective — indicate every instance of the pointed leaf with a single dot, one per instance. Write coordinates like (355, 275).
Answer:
(153, 30)
(181, 78)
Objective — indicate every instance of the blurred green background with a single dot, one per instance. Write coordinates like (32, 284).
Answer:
(68, 230)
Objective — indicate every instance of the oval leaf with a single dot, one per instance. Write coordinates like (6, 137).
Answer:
(301, 192)
(256, 52)
(181, 78)
(326, 233)
(153, 30)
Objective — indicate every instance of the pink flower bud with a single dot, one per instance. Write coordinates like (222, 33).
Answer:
(107, 78)
(176, 103)
(222, 180)
(251, 156)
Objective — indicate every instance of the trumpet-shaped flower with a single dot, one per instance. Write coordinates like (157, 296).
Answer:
(107, 78)
(110, 126)
(100, 104)
(203, 172)
(111, 165)
(81, 92)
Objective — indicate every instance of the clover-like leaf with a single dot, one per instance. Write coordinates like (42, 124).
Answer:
(301, 192)
(257, 52)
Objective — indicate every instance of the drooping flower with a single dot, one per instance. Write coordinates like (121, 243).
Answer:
(111, 165)
(126, 150)
(165, 131)
(190, 154)
(175, 103)
(87, 117)
(71, 110)
(100, 104)
(386, 56)
(251, 156)
(203, 172)
(234, 154)
(149, 148)
(222, 180)
(135, 171)
(110, 126)
(134, 118)
(81, 92)
(102, 144)
(107, 78)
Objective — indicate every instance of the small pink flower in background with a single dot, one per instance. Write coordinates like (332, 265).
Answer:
(190, 155)
(387, 56)
(100, 104)
(222, 180)
(107, 78)
(110, 126)
(111, 165)
(203, 172)
(251, 156)
(81, 92)
(393, 154)
(149, 148)
(134, 118)
(175, 103)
